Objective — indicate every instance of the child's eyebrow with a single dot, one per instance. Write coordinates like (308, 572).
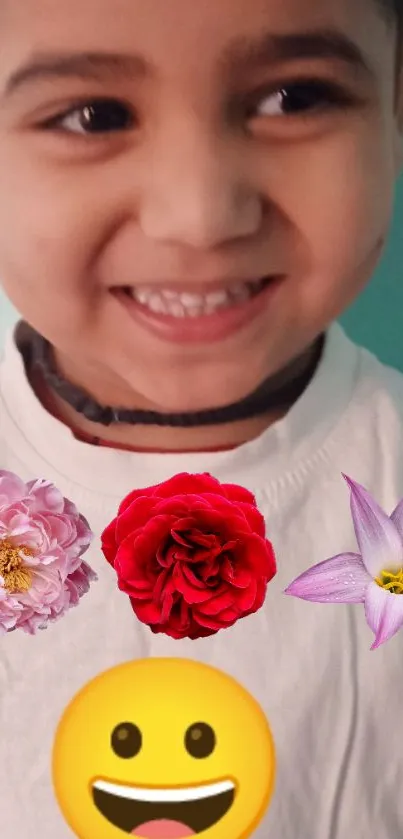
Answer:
(329, 43)
(253, 53)
(78, 65)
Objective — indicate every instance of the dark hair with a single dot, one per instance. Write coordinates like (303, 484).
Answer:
(392, 10)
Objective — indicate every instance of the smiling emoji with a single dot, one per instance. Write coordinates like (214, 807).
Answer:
(163, 749)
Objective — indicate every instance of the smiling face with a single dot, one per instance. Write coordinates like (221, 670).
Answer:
(163, 749)
(179, 811)
(142, 167)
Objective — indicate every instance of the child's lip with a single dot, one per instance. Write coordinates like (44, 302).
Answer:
(205, 329)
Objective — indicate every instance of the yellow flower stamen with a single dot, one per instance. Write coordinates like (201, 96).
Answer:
(17, 578)
(391, 581)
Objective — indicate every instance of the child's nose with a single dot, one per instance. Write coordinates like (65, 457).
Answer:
(198, 196)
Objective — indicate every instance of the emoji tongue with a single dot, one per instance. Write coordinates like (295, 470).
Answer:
(163, 829)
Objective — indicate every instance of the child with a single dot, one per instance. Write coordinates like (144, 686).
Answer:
(191, 193)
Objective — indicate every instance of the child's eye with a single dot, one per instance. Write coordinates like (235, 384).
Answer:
(298, 98)
(101, 116)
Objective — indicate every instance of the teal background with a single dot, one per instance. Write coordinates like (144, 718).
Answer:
(375, 319)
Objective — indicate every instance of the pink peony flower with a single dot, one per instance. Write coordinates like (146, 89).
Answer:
(373, 577)
(42, 541)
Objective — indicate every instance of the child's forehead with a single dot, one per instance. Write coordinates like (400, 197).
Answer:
(122, 23)
(178, 39)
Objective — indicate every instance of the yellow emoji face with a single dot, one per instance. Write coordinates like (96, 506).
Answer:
(163, 749)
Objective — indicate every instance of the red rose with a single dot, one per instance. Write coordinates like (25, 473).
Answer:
(192, 554)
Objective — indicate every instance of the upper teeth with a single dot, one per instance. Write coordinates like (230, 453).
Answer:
(189, 304)
(177, 794)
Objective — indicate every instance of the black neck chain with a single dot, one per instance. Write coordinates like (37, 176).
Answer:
(276, 393)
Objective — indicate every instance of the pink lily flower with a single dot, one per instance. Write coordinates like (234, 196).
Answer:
(373, 577)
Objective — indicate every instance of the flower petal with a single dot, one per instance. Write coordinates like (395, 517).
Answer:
(109, 544)
(12, 489)
(254, 518)
(44, 496)
(384, 613)
(397, 518)
(377, 536)
(239, 494)
(341, 579)
(140, 512)
(184, 483)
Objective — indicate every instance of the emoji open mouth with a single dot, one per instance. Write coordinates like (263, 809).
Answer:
(163, 813)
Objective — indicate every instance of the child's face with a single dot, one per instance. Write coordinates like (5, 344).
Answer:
(207, 172)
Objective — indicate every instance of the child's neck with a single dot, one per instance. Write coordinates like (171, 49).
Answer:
(154, 438)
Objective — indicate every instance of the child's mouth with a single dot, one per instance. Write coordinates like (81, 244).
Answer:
(190, 305)
(187, 316)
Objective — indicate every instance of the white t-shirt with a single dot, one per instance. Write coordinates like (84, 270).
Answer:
(335, 707)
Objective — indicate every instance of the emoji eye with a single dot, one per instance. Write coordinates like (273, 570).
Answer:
(126, 740)
(200, 740)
